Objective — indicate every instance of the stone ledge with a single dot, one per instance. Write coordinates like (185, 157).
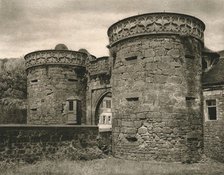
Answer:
(46, 126)
(46, 57)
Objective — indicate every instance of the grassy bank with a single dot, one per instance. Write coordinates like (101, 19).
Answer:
(112, 166)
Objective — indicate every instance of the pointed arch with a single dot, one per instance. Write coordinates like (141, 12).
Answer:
(97, 105)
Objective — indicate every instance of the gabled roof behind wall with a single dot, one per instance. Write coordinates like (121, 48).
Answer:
(215, 76)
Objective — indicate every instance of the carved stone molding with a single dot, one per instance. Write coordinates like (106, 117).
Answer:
(156, 23)
(61, 57)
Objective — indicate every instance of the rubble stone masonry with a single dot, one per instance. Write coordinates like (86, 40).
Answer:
(213, 129)
(55, 77)
(156, 87)
(30, 143)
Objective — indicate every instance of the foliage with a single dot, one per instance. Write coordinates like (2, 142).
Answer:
(13, 79)
(13, 91)
(75, 153)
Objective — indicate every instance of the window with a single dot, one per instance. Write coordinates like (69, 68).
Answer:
(108, 103)
(132, 98)
(131, 58)
(212, 111)
(70, 106)
(34, 81)
(109, 119)
(72, 80)
(104, 119)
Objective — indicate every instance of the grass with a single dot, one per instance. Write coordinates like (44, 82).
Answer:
(111, 166)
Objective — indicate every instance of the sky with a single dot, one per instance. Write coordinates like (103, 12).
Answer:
(30, 25)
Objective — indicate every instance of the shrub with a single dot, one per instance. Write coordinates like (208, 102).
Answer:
(72, 153)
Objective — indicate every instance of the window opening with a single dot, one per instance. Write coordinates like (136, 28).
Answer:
(212, 110)
(70, 106)
(108, 103)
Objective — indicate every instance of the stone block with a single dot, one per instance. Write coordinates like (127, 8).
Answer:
(127, 123)
(142, 130)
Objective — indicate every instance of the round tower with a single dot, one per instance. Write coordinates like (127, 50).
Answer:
(156, 87)
(56, 86)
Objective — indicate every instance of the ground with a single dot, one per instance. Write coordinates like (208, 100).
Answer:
(112, 166)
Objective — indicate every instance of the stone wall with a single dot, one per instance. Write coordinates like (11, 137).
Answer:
(56, 86)
(98, 85)
(156, 87)
(157, 99)
(31, 143)
(213, 129)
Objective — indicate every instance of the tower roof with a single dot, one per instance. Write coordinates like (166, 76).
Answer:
(61, 47)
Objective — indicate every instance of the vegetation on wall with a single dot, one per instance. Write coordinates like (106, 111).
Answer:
(13, 91)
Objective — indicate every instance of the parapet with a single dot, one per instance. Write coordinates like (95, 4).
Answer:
(99, 66)
(55, 57)
(156, 23)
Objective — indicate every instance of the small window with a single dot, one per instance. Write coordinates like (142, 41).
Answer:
(131, 58)
(132, 98)
(108, 103)
(72, 80)
(104, 119)
(109, 119)
(70, 106)
(34, 81)
(212, 110)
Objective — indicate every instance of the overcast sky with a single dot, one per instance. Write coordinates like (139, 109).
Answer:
(29, 25)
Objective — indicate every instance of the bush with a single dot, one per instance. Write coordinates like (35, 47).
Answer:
(13, 91)
(73, 153)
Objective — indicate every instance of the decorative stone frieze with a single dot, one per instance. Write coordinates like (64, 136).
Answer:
(55, 57)
(156, 23)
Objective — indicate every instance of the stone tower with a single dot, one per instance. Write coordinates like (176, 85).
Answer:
(56, 86)
(156, 87)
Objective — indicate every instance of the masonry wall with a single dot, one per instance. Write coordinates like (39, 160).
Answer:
(31, 143)
(98, 85)
(156, 91)
(49, 88)
(213, 129)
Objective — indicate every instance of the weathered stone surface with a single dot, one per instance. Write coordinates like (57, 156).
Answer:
(158, 97)
(31, 143)
(49, 90)
(213, 129)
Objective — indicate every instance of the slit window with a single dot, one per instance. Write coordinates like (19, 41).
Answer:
(70, 106)
(33, 109)
(72, 80)
(34, 81)
(131, 58)
(212, 109)
(132, 99)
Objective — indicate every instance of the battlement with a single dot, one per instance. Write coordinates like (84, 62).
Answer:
(55, 57)
(156, 23)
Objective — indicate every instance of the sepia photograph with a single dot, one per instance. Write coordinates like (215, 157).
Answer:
(112, 87)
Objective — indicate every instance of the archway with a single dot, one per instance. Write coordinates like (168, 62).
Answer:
(103, 113)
